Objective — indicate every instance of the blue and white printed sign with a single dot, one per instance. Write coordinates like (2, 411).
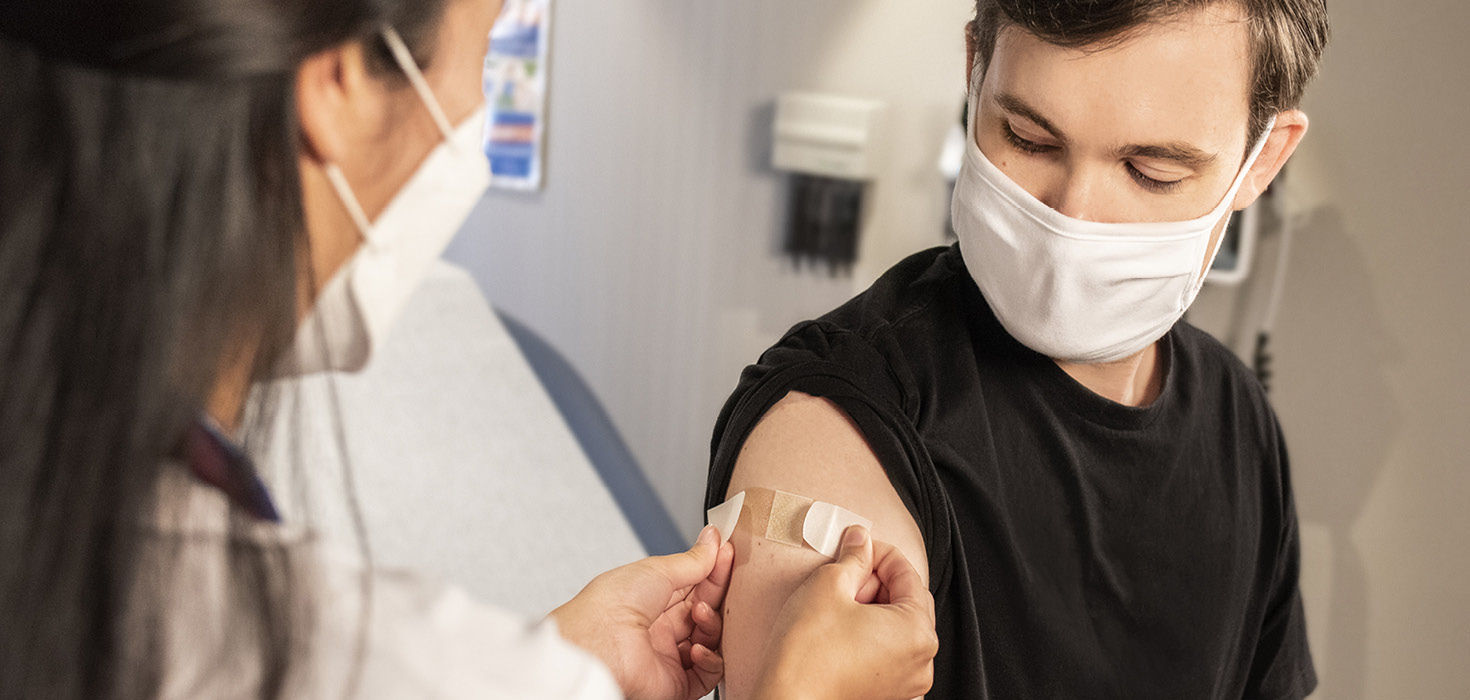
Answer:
(515, 89)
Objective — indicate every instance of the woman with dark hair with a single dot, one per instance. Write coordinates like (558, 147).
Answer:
(182, 182)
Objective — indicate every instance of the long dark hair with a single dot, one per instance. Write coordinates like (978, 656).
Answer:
(151, 235)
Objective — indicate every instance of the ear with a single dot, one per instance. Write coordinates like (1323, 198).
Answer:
(972, 30)
(1290, 127)
(331, 87)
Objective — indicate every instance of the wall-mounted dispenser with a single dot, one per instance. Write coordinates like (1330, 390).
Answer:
(828, 144)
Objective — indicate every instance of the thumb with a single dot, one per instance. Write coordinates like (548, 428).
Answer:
(855, 558)
(688, 568)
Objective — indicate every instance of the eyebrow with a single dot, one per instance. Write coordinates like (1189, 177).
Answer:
(1181, 153)
(1177, 151)
(1018, 107)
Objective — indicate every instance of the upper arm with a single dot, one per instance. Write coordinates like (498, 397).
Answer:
(806, 446)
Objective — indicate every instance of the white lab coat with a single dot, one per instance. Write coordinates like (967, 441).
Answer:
(425, 640)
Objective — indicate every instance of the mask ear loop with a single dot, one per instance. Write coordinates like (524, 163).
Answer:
(1250, 162)
(410, 68)
(404, 58)
(349, 201)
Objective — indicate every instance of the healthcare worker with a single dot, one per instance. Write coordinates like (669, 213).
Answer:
(181, 181)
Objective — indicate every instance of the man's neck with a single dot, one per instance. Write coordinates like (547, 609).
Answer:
(1132, 381)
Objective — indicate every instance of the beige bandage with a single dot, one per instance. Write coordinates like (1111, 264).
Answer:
(785, 517)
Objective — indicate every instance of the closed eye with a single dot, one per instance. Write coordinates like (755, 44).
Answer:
(1153, 184)
(1022, 144)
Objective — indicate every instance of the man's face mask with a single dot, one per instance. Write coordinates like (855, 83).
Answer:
(360, 303)
(1074, 290)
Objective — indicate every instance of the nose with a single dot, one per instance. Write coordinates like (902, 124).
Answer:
(1074, 194)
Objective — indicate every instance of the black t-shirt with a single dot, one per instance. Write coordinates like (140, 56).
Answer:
(1078, 548)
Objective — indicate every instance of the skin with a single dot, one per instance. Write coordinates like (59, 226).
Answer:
(1183, 84)
(654, 622)
(378, 132)
(862, 627)
(808, 446)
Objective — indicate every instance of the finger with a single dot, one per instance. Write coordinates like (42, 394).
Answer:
(679, 620)
(712, 589)
(679, 595)
(901, 581)
(707, 670)
(686, 660)
(854, 559)
(870, 590)
(707, 625)
(686, 569)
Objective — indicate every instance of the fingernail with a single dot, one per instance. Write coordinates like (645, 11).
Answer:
(855, 536)
(706, 534)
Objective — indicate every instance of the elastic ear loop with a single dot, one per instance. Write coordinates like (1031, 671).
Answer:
(349, 201)
(1245, 170)
(410, 68)
(404, 58)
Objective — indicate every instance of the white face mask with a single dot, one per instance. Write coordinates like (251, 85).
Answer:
(1074, 290)
(356, 308)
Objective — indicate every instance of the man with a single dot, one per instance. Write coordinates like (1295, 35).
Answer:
(1097, 494)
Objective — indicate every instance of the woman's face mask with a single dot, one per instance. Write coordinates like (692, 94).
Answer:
(359, 304)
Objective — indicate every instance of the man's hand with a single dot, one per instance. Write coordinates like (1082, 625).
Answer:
(860, 628)
(654, 622)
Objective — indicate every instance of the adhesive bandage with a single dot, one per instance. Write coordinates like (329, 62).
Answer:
(786, 518)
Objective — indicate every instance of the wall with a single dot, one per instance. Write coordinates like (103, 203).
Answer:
(1371, 376)
(649, 260)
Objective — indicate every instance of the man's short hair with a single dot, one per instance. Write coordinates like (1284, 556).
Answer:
(1287, 37)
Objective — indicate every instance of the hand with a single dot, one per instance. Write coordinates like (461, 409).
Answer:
(862, 627)
(653, 622)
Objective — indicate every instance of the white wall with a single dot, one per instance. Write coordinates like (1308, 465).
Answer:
(649, 260)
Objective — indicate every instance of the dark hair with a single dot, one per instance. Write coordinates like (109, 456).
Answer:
(1287, 37)
(151, 235)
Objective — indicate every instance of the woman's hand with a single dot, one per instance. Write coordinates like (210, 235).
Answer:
(655, 622)
(859, 628)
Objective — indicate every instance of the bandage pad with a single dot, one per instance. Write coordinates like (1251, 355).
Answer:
(786, 518)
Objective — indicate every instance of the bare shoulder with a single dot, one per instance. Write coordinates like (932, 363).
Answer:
(807, 446)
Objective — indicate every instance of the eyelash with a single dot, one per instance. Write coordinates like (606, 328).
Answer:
(1152, 185)
(1144, 181)
(1025, 145)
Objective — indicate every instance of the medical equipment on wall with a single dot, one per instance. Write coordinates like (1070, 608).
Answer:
(1284, 227)
(827, 143)
(1236, 264)
(1237, 249)
(1245, 239)
(951, 159)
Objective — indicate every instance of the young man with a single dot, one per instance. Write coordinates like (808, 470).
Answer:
(1097, 494)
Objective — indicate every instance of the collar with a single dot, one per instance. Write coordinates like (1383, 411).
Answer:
(217, 461)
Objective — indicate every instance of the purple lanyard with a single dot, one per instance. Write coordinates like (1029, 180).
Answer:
(216, 460)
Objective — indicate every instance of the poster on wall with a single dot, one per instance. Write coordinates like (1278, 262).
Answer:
(515, 92)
